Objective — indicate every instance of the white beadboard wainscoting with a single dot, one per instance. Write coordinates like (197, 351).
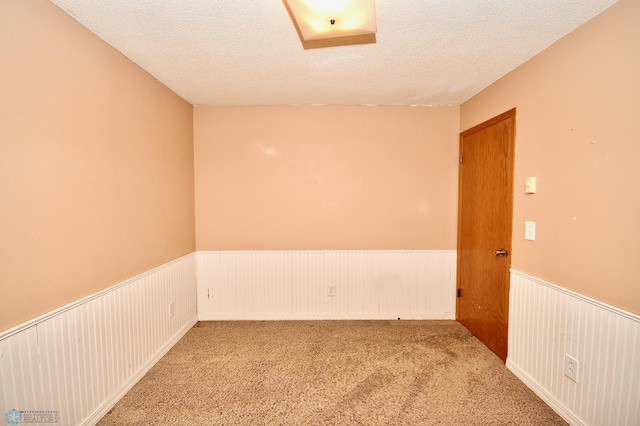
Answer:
(545, 323)
(255, 285)
(79, 360)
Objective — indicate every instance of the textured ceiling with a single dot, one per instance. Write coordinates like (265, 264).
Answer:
(233, 52)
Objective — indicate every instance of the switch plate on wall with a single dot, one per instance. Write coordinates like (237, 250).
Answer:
(530, 185)
(530, 231)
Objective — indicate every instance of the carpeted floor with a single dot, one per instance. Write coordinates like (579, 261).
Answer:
(330, 372)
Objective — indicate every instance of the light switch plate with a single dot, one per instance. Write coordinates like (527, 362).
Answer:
(530, 231)
(530, 185)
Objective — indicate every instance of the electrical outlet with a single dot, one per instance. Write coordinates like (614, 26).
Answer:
(331, 290)
(571, 368)
(172, 309)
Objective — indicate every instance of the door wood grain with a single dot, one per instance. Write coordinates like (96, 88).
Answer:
(484, 229)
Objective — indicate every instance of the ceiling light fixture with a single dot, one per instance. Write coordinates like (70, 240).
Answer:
(324, 19)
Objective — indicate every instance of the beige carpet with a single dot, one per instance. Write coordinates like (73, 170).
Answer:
(330, 372)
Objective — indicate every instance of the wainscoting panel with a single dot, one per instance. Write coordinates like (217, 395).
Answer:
(297, 285)
(78, 361)
(545, 323)
(19, 370)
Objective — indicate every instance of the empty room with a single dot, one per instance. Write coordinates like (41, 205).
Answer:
(369, 212)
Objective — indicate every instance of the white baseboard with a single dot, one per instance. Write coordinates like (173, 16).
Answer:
(544, 395)
(360, 317)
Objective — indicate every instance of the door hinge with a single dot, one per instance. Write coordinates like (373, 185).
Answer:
(459, 292)
(461, 157)
(207, 293)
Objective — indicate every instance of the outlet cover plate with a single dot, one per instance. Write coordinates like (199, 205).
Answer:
(530, 231)
(571, 368)
(331, 290)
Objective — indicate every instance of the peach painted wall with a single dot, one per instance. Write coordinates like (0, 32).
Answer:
(322, 178)
(578, 109)
(96, 164)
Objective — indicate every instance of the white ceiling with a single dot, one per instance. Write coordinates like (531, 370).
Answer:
(242, 52)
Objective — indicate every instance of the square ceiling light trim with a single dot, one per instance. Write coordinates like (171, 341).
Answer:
(323, 19)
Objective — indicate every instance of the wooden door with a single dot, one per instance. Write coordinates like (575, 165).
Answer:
(485, 210)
